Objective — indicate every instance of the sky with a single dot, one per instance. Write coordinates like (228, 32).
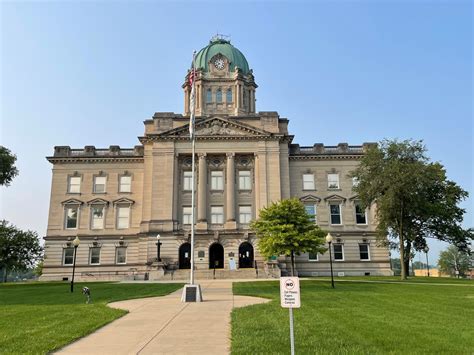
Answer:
(89, 72)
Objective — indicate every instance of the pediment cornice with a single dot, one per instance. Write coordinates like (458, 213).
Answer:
(72, 201)
(335, 197)
(310, 198)
(98, 201)
(215, 128)
(123, 201)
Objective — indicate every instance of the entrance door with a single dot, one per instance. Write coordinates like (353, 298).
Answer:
(185, 256)
(245, 255)
(216, 256)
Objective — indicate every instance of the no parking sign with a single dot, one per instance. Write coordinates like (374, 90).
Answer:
(290, 292)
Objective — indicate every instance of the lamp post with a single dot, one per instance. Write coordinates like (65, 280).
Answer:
(329, 240)
(158, 247)
(76, 243)
(427, 265)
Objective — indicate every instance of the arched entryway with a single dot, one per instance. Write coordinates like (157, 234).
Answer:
(245, 255)
(185, 256)
(216, 256)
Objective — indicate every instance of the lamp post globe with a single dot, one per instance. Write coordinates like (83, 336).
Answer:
(158, 247)
(76, 243)
(329, 241)
(426, 250)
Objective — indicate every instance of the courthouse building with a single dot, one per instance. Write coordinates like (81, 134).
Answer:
(117, 200)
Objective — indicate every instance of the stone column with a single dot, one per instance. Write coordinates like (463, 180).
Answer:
(202, 193)
(230, 192)
(186, 101)
(237, 97)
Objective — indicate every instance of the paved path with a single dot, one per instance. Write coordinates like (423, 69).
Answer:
(165, 325)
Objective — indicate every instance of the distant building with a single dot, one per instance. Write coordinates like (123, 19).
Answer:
(117, 200)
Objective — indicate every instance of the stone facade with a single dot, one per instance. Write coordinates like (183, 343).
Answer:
(117, 200)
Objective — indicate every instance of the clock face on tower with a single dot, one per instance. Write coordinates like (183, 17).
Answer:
(219, 63)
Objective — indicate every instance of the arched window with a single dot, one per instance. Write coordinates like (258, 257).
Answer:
(219, 95)
(209, 96)
(229, 95)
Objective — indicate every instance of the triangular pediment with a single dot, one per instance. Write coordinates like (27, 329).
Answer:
(217, 127)
(354, 198)
(335, 197)
(72, 201)
(124, 201)
(310, 198)
(98, 201)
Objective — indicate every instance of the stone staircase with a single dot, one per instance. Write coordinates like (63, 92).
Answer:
(209, 274)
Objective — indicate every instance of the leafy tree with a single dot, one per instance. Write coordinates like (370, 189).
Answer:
(414, 199)
(38, 270)
(452, 259)
(8, 169)
(19, 250)
(285, 228)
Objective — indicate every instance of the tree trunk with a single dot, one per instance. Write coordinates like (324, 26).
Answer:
(5, 274)
(406, 257)
(292, 263)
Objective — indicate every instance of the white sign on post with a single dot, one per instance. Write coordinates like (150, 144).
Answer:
(290, 292)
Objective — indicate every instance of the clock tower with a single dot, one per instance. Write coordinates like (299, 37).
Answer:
(224, 83)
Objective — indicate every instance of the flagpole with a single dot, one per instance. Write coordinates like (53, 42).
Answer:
(193, 139)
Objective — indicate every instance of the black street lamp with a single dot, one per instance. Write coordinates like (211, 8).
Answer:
(427, 265)
(158, 247)
(76, 243)
(329, 240)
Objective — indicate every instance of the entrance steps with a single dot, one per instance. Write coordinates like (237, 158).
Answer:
(219, 274)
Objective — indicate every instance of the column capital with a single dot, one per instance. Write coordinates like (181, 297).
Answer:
(230, 155)
(202, 155)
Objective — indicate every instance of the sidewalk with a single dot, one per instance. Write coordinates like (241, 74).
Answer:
(165, 325)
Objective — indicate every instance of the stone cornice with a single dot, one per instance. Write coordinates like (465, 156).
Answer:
(118, 159)
(326, 157)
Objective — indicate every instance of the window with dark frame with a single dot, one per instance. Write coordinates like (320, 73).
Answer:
(121, 255)
(94, 255)
(338, 251)
(364, 251)
(361, 217)
(335, 210)
(313, 257)
(71, 216)
(68, 256)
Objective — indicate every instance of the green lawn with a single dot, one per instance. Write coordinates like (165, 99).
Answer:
(359, 318)
(39, 317)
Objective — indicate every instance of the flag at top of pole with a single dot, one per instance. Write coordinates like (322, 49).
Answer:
(192, 77)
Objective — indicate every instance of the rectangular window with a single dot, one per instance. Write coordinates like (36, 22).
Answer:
(99, 184)
(308, 181)
(68, 256)
(97, 217)
(123, 217)
(217, 180)
(187, 180)
(312, 257)
(245, 182)
(355, 182)
(364, 251)
(361, 217)
(217, 214)
(94, 256)
(74, 185)
(125, 184)
(338, 251)
(333, 181)
(72, 217)
(335, 213)
(187, 215)
(311, 211)
(245, 214)
(121, 255)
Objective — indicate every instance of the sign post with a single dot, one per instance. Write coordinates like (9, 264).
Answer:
(290, 298)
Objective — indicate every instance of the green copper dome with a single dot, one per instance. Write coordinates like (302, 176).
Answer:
(219, 45)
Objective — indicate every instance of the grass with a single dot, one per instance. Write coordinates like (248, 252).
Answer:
(38, 318)
(359, 318)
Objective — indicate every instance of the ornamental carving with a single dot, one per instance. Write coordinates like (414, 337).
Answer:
(218, 128)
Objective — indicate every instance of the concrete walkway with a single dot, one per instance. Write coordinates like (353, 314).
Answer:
(165, 325)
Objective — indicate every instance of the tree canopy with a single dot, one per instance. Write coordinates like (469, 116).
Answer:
(19, 250)
(285, 228)
(452, 259)
(8, 170)
(414, 199)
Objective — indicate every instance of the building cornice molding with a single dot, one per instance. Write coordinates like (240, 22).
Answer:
(66, 160)
(325, 157)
